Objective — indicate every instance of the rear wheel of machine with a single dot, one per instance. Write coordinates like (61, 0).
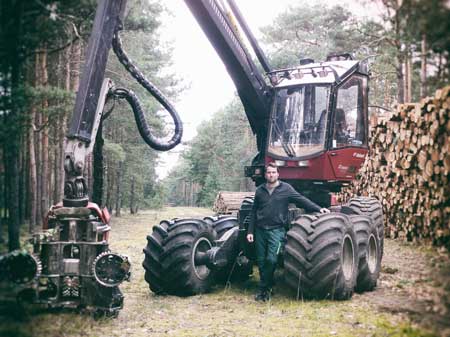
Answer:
(372, 207)
(320, 257)
(152, 262)
(222, 223)
(369, 254)
(187, 242)
(182, 260)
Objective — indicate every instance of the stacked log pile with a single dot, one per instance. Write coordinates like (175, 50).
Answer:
(229, 202)
(408, 169)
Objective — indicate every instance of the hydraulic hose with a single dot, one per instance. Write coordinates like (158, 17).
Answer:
(133, 100)
(142, 125)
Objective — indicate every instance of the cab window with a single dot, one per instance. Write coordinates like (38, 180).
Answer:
(350, 115)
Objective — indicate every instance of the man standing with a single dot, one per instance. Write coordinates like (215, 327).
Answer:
(267, 225)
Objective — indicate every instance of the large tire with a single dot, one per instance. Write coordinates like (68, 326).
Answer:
(369, 252)
(372, 207)
(222, 223)
(152, 261)
(180, 273)
(248, 201)
(320, 257)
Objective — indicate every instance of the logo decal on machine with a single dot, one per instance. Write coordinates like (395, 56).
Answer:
(359, 155)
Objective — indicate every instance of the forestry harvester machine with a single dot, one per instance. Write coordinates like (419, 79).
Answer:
(311, 120)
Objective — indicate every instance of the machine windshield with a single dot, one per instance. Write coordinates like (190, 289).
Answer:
(299, 119)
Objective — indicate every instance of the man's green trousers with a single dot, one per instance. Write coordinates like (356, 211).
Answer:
(268, 244)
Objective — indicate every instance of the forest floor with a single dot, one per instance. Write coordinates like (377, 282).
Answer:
(412, 299)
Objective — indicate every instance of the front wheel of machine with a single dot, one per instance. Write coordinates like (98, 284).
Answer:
(184, 256)
(321, 257)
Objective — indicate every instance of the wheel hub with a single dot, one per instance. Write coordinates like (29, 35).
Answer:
(200, 248)
(347, 258)
(372, 254)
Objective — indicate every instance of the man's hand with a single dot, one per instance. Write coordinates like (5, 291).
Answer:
(250, 238)
(324, 210)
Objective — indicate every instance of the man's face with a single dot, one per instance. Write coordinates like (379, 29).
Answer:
(271, 175)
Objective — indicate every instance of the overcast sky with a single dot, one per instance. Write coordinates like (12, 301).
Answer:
(195, 61)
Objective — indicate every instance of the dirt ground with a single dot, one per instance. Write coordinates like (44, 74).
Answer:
(412, 299)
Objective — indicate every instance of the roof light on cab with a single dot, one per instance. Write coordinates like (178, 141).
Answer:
(280, 162)
(303, 163)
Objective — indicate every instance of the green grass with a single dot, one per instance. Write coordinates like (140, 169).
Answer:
(226, 311)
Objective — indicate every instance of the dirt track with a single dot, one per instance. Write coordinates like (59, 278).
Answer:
(407, 301)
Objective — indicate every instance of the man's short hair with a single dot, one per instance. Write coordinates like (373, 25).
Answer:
(273, 165)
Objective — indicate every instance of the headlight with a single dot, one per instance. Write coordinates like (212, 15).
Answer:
(280, 162)
(110, 269)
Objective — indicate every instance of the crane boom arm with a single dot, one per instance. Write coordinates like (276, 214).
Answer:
(250, 84)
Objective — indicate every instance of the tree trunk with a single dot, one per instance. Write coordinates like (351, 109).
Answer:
(75, 65)
(4, 209)
(400, 55)
(33, 179)
(108, 201)
(11, 151)
(132, 196)
(63, 83)
(423, 67)
(406, 80)
(52, 154)
(13, 196)
(109, 185)
(2, 197)
(400, 80)
(45, 145)
(56, 162)
(440, 66)
(22, 178)
(118, 189)
(38, 144)
(408, 91)
(60, 173)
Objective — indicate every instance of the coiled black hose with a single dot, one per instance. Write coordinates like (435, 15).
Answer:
(133, 100)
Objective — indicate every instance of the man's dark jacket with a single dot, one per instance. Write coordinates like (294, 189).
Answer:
(271, 210)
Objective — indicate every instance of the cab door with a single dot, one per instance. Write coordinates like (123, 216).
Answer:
(349, 127)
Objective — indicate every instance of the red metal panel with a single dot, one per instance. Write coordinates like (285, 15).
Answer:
(342, 164)
(346, 162)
